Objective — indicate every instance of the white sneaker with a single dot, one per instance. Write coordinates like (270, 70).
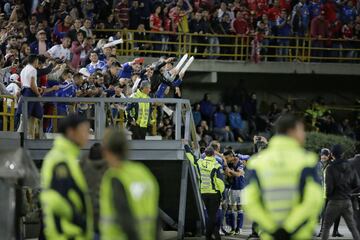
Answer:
(221, 232)
(238, 231)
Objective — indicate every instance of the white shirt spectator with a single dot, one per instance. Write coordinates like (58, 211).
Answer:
(26, 74)
(14, 90)
(58, 51)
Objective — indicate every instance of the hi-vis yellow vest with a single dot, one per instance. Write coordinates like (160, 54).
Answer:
(143, 110)
(60, 204)
(284, 190)
(142, 193)
(209, 182)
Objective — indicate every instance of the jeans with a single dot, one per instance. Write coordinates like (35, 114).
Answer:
(334, 209)
(214, 49)
(212, 204)
(336, 222)
(223, 135)
(283, 50)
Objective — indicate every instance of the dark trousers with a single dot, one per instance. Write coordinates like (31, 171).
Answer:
(138, 132)
(357, 219)
(212, 204)
(336, 222)
(337, 208)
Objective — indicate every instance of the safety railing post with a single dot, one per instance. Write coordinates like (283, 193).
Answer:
(236, 47)
(25, 117)
(99, 119)
(179, 45)
(247, 48)
(178, 122)
(190, 47)
(5, 117)
(309, 50)
(12, 115)
(187, 122)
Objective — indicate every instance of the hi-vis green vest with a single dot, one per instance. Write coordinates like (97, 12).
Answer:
(64, 198)
(284, 190)
(142, 193)
(209, 182)
(143, 113)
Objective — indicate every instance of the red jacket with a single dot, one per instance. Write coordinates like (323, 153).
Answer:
(240, 26)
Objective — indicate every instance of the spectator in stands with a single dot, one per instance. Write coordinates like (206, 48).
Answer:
(330, 11)
(283, 30)
(122, 11)
(156, 25)
(95, 63)
(239, 25)
(225, 25)
(87, 28)
(67, 89)
(25, 51)
(134, 15)
(300, 19)
(111, 74)
(319, 31)
(274, 12)
(76, 29)
(197, 114)
(236, 123)
(223, 10)
(28, 77)
(197, 26)
(62, 27)
(41, 45)
(61, 51)
(221, 129)
(80, 50)
(314, 8)
(206, 108)
(274, 113)
(348, 35)
(348, 12)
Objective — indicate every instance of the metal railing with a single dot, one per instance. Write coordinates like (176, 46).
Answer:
(236, 47)
(7, 115)
(182, 115)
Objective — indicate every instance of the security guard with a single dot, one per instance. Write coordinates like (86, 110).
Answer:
(211, 186)
(129, 194)
(65, 201)
(284, 195)
(139, 113)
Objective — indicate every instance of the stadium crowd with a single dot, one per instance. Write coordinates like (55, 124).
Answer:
(73, 62)
(242, 122)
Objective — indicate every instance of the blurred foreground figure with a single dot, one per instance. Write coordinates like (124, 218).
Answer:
(129, 194)
(284, 195)
(65, 200)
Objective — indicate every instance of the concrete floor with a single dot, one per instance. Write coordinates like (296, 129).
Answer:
(342, 229)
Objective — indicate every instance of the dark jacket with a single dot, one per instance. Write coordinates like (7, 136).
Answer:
(355, 164)
(341, 180)
(93, 171)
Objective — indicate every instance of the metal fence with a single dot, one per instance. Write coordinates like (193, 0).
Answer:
(235, 47)
(182, 115)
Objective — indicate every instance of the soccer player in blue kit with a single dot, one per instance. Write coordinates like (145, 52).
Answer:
(236, 181)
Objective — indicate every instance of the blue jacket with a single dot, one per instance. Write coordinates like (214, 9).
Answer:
(348, 14)
(34, 47)
(235, 120)
(206, 108)
(219, 120)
